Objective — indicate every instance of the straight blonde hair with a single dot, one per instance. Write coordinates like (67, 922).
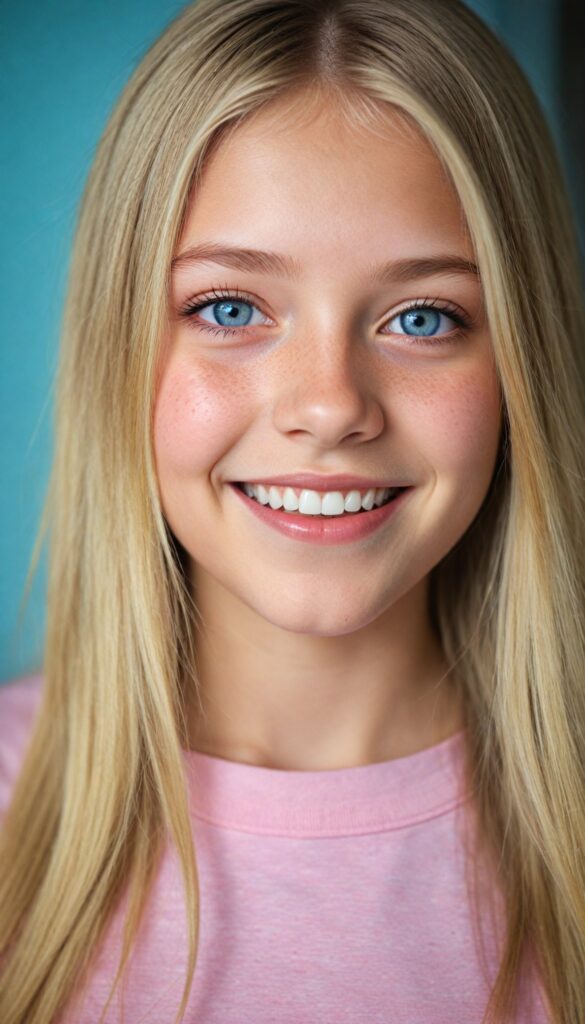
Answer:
(508, 601)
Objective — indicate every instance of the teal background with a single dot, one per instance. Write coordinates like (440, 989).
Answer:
(63, 65)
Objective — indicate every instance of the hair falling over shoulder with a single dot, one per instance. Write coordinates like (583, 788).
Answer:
(508, 600)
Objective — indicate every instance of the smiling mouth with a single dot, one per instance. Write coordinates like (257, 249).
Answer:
(311, 501)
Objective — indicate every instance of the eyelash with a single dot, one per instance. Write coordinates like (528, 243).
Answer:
(220, 295)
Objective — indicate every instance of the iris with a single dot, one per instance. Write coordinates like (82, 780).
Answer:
(230, 311)
(418, 321)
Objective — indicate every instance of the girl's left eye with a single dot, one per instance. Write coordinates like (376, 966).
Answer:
(424, 320)
(421, 321)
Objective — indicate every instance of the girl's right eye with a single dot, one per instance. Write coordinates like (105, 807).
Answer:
(231, 312)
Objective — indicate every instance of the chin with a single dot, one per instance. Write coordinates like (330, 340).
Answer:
(313, 620)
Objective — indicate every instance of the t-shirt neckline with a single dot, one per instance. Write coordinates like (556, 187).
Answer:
(363, 799)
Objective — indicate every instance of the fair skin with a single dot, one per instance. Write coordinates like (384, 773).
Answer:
(320, 657)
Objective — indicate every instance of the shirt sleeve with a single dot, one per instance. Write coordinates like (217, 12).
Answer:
(19, 702)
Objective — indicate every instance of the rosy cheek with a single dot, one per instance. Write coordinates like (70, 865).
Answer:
(198, 416)
(458, 421)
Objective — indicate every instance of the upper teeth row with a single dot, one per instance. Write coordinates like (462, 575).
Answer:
(314, 503)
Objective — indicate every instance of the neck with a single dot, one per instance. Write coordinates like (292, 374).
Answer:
(273, 698)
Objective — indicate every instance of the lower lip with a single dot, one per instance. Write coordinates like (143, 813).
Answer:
(321, 529)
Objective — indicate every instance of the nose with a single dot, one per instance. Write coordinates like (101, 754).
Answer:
(327, 391)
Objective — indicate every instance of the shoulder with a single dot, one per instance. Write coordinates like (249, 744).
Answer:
(19, 702)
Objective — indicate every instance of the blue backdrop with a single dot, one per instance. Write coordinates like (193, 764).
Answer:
(63, 66)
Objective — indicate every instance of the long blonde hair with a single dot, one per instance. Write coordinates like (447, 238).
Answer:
(508, 600)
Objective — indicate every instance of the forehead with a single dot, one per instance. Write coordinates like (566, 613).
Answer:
(304, 174)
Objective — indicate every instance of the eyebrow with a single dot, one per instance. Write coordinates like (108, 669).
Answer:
(263, 261)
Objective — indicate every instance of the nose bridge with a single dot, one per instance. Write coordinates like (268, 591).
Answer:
(326, 386)
(329, 353)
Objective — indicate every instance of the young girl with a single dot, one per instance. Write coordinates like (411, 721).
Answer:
(309, 740)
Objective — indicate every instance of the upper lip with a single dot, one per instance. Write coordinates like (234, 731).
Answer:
(335, 482)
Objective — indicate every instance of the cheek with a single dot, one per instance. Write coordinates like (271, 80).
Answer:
(197, 417)
(458, 422)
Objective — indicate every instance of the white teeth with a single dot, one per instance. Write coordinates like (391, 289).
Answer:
(290, 500)
(312, 503)
(332, 504)
(274, 498)
(353, 501)
(368, 499)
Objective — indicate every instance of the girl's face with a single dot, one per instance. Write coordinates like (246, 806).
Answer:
(312, 365)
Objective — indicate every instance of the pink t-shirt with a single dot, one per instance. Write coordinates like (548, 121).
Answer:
(336, 896)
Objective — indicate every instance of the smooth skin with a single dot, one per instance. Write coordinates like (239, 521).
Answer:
(313, 657)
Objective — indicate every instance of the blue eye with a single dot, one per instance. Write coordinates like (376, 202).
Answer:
(228, 313)
(424, 321)
(420, 321)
